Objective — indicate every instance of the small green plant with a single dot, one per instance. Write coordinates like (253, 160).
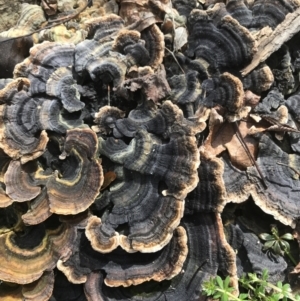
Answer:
(257, 289)
(278, 244)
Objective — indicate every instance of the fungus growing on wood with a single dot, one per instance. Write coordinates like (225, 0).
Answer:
(39, 247)
(40, 289)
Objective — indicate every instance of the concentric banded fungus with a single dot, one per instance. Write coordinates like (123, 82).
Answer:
(89, 51)
(203, 260)
(44, 59)
(148, 157)
(134, 11)
(280, 172)
(293, 104)
(39, 247)
(40, 289)
(11, 87)
(185, 88)
(128, 42)
(167, 121)
(210, 193)
(101, 27)
(226, 91)
(153, 85)
(259, 80)
(62, 85)
(19, 184)
(39, 209)
(270, 13)
(155, 44)
(229, 45)
(31, 18)
(110, 70)
(151, 217)
(20, 135)
(250, 256)
(106, 119)
(80, 183)
(124, 269)
(239, 11)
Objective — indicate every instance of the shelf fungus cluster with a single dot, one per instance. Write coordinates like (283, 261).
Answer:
(138, 142)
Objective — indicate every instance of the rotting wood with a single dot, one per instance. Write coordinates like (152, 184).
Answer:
(269, 44)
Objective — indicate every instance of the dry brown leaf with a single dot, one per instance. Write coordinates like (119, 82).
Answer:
(224, 137)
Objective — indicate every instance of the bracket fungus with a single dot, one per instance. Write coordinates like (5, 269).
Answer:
(127, 130)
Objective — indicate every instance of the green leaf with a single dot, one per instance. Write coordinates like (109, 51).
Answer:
(243, 296)
(276, 248)
(219, 281)
(226, 282)
(269, 244)
(217, 295)
(285, 245)
(224, 297)
(287, 236)
(266, 236)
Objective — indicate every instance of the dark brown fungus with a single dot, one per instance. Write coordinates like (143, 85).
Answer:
(155, 44)
(151, 217)
(110, 70)
(124, 269)
(153, 85)
(226, 91)
(39, 209)
(106, 119)
(101, 27)
(44, 59)
(11, 87)
(62, 85)
(39, 290)
(259, 80)
(19, 183)
(228, 45)
(240, 11)
(250, 256)
(185, 88)
(270, 13)
(70, 190)
(203, 261)
(210, 193)
(166, 121)
(280, 173)
(293, 104)
(165, 267)
(82, 174)
(20, 135)
(89, 51)
(39, 247)
(128, 42)
(148, 157)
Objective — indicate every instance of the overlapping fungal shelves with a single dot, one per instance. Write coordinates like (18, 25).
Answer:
(145, 145)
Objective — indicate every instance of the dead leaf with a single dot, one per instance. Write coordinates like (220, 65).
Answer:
(109, 177)
(180, 38)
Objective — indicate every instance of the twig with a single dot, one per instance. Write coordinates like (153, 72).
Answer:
(175, 59)
(55, 23)
(245, 146)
